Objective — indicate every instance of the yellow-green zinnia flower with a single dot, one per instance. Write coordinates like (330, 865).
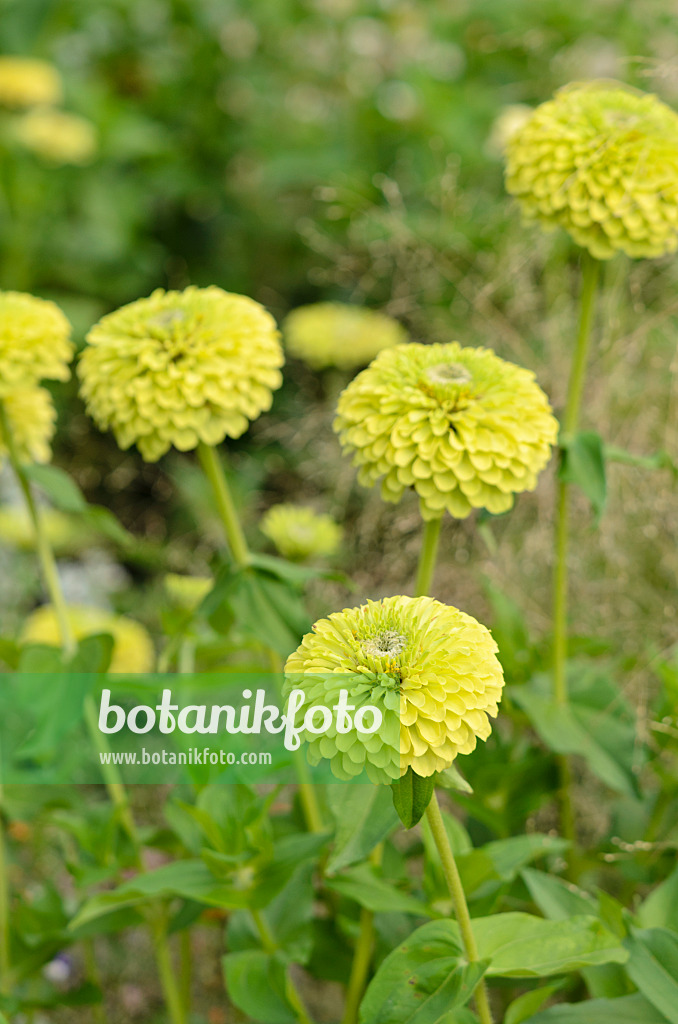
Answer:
(179, 368)
(132, 646)
(57, 137)
(31, 419)
(430, 669)
(335, 334)
(601, 161)
(64, 533)
(187, 592)
(299, 533)
(462, 427)
(27, 82)
(34, 342)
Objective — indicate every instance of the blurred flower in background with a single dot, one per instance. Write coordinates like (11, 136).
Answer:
(31, 418)
(335, 334)
(34, 342)
(601, 161)
(64, 534)
(510, 120)
(57, 137)
(300, 533)
(187, 592)
(132, 649)
(26, 82)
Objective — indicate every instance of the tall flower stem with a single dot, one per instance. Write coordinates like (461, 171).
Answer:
(362, 956)
(4, 907)
(427, 557)
(114, 785)
(270, 946)
(451, 872)
(590, 276)
(214, 471)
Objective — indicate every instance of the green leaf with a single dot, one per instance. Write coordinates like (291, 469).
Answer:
(633, 1009)
(524, 946)
(556, 898)
(256, 983)
(525, 1006)
(452, 779)
(363, 820)
(660, 909)
(421, 980)
(65, 495)
(653, 967)
(583, 463)
(660, 460)
(411, 796)
(565, 731)
(367, 888)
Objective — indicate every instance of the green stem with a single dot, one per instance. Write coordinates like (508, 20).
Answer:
(4, 907)
(93, 973)
(427, 557)
(590, 276)
(270, 946)
(114, 785)
(214, 471)
(47, 562)
(362, 956)
(186, 969)
(451, 872)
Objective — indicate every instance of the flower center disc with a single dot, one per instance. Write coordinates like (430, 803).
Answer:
(386, 644)
(448, 373)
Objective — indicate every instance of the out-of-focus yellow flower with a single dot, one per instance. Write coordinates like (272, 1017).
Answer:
(26, 82)
(509, 121)
(601, 161)
(31, 419)
(64, 535)
(335, 334)
(34, 342)
(132, 649)
(179, 368)
(460, 426)
(430, 669)
(57, 137)
(299, 533)
(187, 591)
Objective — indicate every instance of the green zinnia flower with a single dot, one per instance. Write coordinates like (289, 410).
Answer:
(300, 533)
(179, 368)
(430, 669)
(601, 161)
(334, 334)
(460, 426)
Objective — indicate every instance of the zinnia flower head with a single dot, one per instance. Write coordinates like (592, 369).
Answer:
(132, 646)
(508, 122)
(179, 368)
(31, 419)
(335, 334)
(64, 534)
(187, 592)
(57, 137)
(299, 533)
(601, 161)
(460, 426)
(430, 669)
(34, 342)
(26, 82)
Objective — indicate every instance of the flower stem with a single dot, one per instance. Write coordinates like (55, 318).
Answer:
(451, 872)
(590, 276)
(214, 471)
(114, 785)
(427, 557)
(4, 908)
(362, 956)
(270, 946)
